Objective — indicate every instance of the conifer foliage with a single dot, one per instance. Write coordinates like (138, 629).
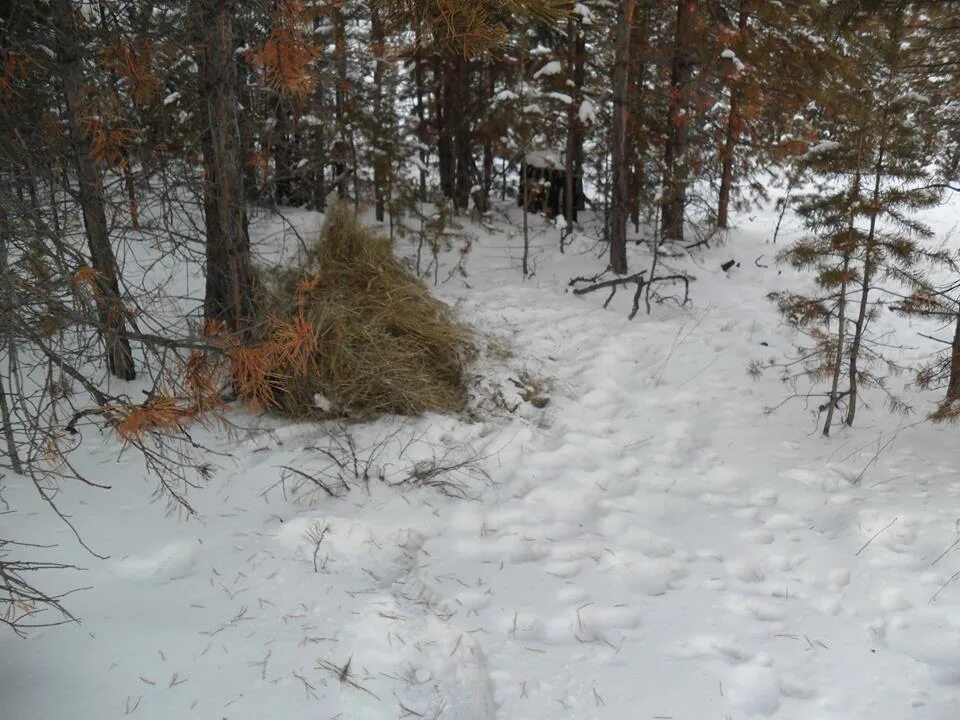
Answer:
(864, 243)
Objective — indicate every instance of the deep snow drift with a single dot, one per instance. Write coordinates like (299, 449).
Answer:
(650, 544)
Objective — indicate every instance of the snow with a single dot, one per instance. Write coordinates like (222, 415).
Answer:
(587, 112)
(543, 159)
(505, 95)
(551, 68)
(730, 55)
(585, 13)
(823, 147)
(171, 98)
(649, 543)
(914, 97)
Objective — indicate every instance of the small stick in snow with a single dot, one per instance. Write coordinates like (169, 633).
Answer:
(876, 535)
(343, 674)
(407, 712)
(580, 619)
(310, 690)
(262, 665)
(944, 587)
(130, 709)
(944, 553)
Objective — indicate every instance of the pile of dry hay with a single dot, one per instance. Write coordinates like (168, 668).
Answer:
(356, 334)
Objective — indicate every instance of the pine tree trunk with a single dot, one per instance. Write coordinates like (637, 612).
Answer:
(486, 186)
(9, 301)
(380, 161)
(620, 206)
(446, 109)
(834, 397)
(282, 157)
(868, 269)
(636, 138)
(319, 139)
(344, 145)
(248, 134)
(422, 131)
(734, 123)
(110, 310)
(229, 275)
(953, 387)
(675, 165)
(574, 131)
(463, 136)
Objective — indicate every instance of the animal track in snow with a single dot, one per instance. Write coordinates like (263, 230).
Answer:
(173, 561)
(756, 608)
(755, 689)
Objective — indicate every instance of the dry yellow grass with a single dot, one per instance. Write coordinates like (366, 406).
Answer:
(355, 327)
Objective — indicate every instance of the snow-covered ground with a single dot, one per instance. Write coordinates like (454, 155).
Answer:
(650, 544)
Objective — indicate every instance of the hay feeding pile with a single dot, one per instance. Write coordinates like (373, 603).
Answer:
(352, 332)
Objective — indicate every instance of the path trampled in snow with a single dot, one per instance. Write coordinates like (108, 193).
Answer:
(649, 545)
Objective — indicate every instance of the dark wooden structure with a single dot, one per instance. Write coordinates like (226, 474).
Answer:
(543, 181)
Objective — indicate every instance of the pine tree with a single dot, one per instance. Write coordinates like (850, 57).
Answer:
(864, 239)
(90, 191)
(228, 300)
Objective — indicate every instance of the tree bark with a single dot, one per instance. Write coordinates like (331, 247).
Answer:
(675, 164)
(734, 124)
(446, 108)
(953, 386)
(344, 144)
(110, 310)
(229, 275)
(636, 97)
(834, 397)
(462, 135)
(9, 302)
(282, 156)
(380, 161)
(573, 168)
(868, 269)
(620, 206)
(422, 130)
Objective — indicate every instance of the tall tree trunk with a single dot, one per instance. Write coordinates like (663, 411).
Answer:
(463, 135)
(620, 206)
(489, 88)
(675, 162)
(636, 97)
(574, 150)
(9, 301)
(734, 124)
(249, 135)
(344, 144)
(953, 386)
(422, 131)
(282, 157)
(446, 109)
(229, 275)
(110, 310)
(381, 162)
(318, 139)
